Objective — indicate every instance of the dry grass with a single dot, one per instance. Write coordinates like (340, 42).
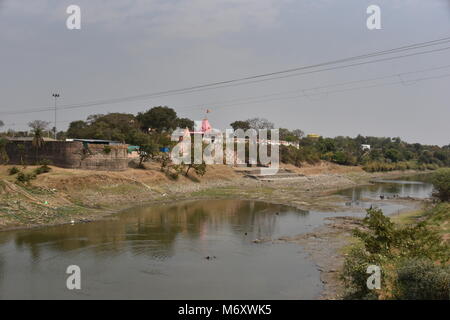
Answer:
(86, 191)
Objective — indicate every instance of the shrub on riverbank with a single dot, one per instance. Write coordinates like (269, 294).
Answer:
(379, 166)
(25, 178)
(441, 182)
(294, 156)
(393, 248)
(422, 280)
(42, 169)
(12, 171)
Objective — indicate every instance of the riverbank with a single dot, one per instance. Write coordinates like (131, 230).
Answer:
(64, 196)
(71, 196)
(329, 244)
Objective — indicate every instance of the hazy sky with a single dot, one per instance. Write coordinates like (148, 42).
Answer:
(127, 48)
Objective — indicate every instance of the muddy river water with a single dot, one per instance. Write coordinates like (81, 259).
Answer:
(185, 250)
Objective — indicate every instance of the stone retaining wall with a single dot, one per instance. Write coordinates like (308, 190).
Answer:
(75, 155)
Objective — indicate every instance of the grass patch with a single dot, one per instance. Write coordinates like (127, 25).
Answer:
(439, 217)
(408, 218)
(68, 211)
(233, 191)
(216, 192)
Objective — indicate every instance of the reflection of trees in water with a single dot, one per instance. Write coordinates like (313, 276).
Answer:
(153, 230)
(98, 237)
(389, 189)
(194, 219)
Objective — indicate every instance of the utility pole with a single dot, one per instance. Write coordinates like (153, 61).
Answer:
(55, 96)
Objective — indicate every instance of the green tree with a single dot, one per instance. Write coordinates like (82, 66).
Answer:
(393, 154)
(122, 127)
(389, 246)
(287, 135)
(77, 129)
(147, 151)
(158, 118)
(185, 123)
(244, 125)
(380, 237)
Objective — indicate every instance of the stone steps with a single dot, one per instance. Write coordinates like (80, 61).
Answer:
(282, 174)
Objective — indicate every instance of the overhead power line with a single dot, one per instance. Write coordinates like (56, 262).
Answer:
(260, 77)
(303, 93)
(313, 91)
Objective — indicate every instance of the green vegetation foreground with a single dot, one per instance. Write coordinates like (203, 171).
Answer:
(414, 259)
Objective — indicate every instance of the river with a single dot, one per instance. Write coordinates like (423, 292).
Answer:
(186, 250)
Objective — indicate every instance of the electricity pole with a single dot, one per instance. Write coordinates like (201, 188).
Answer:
(55, 96)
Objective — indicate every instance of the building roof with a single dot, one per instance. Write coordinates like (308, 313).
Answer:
(28, 139)
(94, 141)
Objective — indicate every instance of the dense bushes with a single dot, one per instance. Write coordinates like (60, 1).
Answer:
(42, 169)
(404, 254)
(294, 156)
(25, 178)
(441, 182)
(12, 171)
(422, 280)
(378, 166)
(385, 154)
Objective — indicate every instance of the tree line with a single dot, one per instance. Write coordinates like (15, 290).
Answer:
(385, 154)
(151, 130)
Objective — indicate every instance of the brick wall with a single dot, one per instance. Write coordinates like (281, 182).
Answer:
(71, 155)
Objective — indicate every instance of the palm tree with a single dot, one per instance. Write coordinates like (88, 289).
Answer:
(38, 128)
(38, 141)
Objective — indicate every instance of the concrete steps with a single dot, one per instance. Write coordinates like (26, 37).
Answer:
(282, 174)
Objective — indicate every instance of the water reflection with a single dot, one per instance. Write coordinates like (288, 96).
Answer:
(389, 189)
(159, 252)
(157, 228)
